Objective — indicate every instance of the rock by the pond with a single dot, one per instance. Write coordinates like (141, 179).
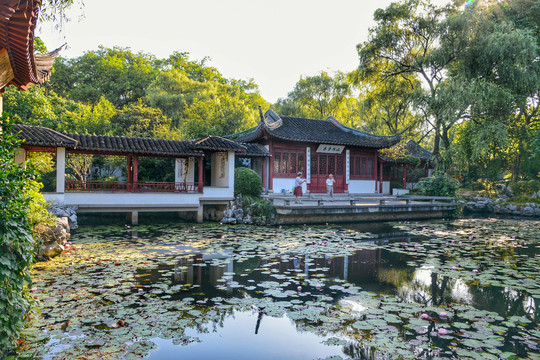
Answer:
(248, 220)
(51, 250)
(54, 238)
(65, 211)
(228, 220)
(238, 214)
(528, 211)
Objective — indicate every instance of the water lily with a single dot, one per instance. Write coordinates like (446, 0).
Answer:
(475, 271)
(443, 331)
(454, 268)
(299, 288)
(281, 227)
(471, 237)
(442, 314)
(187, 231)
(424, 316)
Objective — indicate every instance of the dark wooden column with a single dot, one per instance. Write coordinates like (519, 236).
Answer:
(271, 167)
(201, 173)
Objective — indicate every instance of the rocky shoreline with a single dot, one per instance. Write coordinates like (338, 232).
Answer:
(486, 205)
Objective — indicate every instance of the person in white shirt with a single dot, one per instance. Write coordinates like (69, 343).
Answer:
(330, 185)
(298, 188)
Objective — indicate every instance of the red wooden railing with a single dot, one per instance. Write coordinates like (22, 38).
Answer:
(74, 185)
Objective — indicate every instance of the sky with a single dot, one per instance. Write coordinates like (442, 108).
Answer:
(273, 42)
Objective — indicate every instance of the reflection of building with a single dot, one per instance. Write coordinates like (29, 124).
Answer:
(317, 148)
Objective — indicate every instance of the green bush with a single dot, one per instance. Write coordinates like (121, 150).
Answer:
(17, 244)
(247, 182)
(525, 187)
(396, 185)
(439, 185)
(259, 206)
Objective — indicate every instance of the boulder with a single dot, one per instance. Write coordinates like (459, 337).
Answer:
(238, 214)
(228, 220)
(528, 211)
(228, 213)
(51, 249)
(248, 220)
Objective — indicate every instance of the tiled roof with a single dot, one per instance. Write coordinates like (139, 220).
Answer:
(217, 143)
(17, 23)
(329, 131)
(132, 145)
(401, 152)
(255, 150)
(41, 136)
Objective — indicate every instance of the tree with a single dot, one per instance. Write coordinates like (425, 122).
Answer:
(117, 74)
(201, 108)
(80, 164)
(318, 96)
(140, 120)
(405, 39)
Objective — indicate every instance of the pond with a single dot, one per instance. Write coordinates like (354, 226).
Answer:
(459, 289)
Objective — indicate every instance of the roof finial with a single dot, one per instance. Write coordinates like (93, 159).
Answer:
(261, 113)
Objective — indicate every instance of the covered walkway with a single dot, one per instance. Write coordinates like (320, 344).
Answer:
(208, 160)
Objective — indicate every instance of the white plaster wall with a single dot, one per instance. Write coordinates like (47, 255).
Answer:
(119, 199)
(56, 198)
(362, 186)
(386, 187)
(220, 169)
(180, 170)
(20, 157)
(231, 155)
(287, 184)
(218, 192)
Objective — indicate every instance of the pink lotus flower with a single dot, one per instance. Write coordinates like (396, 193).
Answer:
(454, 268)
(471, 237)
(442, 314)
(424, 316)
(443, 331)
(299, 288)
(281, 227)
(318, 287)
(446, 243)
(475, 271)
(525, 244)
(187, 231)
(415, 245)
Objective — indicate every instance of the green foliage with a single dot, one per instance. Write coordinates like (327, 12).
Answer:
(259, 207)
(318, 96)
(16, 241)
(439, 185)
(396, 185)
(117, 74)
(247, 182)
(526, 188)
(37, 212)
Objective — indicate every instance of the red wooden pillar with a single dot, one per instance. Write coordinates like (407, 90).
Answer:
(135, 172)
(380, 177)
(376, 175)
(129, 178)
(264, 174)
(201, 172)
(404, 176)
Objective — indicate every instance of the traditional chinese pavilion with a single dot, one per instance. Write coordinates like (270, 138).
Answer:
(317, 148)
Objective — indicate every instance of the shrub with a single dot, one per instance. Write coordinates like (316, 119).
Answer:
(247, 182)
(259, 207)
(396, 185)
(16, 242)
(525, 187)
(439, 185)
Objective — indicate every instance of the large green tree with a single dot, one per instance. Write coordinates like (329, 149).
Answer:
(318, 96)
(117, 74)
